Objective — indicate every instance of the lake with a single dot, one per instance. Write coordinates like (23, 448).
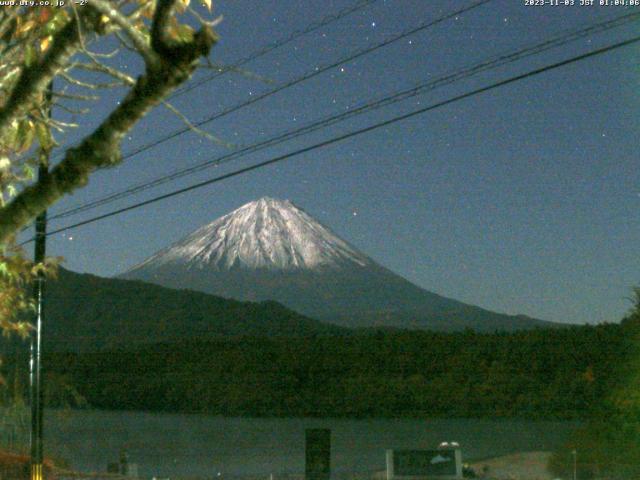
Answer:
(180, 445)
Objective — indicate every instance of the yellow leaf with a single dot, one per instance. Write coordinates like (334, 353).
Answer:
(44, 43)
(207, 3)
(26, 26)
(182, 5)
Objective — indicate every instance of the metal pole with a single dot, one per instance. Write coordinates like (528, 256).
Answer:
(575, 464)
(35, 369)
(35, 378)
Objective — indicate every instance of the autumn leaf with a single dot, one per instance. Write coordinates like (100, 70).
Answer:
(44, 43)
(25, 27)
(44, 15)
(181, 5)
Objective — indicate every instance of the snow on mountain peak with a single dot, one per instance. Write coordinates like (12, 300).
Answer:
(266, 233)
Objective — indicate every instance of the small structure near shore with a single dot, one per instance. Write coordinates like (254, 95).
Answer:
(443, 463)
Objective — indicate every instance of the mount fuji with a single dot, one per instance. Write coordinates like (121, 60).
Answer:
(272, 250)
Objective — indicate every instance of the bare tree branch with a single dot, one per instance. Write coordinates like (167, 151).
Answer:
(75, 96)
(124, 42)
(241, 71)
(137, 38)
(110, 54)
(33, 80)
(88, 85)
(72, 111)
(59, 125)
(159, 26)
(102, 68)
(101, 148)
(209, 23)
(195, 129)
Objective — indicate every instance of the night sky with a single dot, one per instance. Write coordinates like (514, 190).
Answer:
(525, 199)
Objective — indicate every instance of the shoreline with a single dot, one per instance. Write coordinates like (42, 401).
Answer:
(521, 466)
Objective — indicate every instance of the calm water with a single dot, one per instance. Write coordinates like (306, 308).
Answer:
(172, 445)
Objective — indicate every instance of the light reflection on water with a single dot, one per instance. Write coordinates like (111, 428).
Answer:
(178, 445)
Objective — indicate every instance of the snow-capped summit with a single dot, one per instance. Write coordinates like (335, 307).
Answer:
(272, 250)
(266, 233)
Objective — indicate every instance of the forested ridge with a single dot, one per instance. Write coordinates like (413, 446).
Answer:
(546, 373)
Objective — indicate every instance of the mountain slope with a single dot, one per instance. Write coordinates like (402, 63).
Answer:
(85, 312)
(272, 250)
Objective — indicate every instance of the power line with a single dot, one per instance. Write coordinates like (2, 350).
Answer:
(293, 36)
(327, 20)
(307, 76)
(317, 71)
(354, 133)
(492, 63)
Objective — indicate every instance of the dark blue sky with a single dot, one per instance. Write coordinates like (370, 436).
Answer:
(525, 199)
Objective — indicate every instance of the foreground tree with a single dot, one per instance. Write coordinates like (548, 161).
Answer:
(608, 444)
(40, 44)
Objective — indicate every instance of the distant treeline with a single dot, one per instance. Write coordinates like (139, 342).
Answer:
(551, 374)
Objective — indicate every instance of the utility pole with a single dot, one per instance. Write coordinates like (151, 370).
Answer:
(35, 368)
